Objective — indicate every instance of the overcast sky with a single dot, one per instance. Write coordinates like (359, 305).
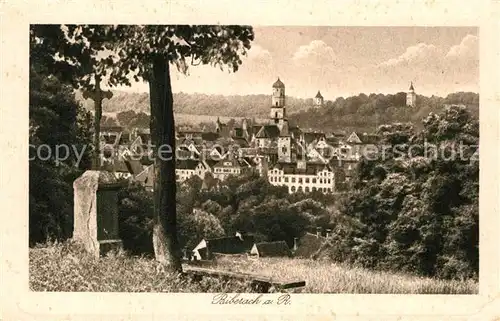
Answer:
(345, 61)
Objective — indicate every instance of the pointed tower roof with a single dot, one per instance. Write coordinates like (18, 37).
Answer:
(278, 84)
(318, 95)
(411, 86)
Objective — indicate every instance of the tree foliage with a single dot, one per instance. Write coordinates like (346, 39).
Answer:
(56, 119)
(365, 113)
(417, 210)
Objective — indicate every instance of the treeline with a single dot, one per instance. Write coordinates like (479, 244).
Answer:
(200, 104)
(366, 112)
(357, 113)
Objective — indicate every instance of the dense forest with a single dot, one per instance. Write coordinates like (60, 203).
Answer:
(357, 113)
(365, 113)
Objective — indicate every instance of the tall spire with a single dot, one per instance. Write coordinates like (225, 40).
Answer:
(411, 86)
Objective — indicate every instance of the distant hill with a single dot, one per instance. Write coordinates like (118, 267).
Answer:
(200, 104)
(357, 113)
(365, 113)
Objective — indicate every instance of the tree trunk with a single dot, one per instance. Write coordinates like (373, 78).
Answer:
(165, 240)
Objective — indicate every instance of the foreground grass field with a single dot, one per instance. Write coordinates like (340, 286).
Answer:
(65, 267)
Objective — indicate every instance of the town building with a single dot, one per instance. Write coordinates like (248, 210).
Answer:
(302, 160)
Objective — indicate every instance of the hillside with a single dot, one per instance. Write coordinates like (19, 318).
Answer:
(357, 113)
(199, 104)
(365, 113)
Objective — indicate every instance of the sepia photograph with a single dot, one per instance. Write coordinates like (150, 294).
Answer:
(222, 158)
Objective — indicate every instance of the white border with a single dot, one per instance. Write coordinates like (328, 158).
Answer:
(19, 303)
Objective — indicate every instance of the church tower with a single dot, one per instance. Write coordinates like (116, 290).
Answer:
(278, 113)
(411, 97)
(318, 100)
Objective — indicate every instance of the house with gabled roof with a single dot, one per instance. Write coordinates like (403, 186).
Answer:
(231, 166)
(271, 249)
(240, 243)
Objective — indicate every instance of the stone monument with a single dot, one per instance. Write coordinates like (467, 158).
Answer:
(96, 212)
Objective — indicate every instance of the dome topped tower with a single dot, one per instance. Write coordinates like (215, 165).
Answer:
(278, 99)
(278, 113)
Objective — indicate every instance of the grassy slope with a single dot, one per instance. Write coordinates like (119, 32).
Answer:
(64, 267)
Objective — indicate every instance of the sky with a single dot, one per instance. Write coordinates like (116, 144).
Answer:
(345, 61)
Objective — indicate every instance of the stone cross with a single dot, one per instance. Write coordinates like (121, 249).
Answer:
(97, 95)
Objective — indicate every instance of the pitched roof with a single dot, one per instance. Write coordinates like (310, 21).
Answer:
(242, 142)
(209, 136)
(225, 163)
(278, 84)
(230, 245)
(268, 131)
(309, 137)
(318, 95)
(270, 249)
(411, 86)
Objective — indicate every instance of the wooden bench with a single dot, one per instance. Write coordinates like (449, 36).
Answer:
(259, 283)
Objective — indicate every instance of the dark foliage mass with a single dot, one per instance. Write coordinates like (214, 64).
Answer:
(416, 210)
(365, 112)
(56, 119)
(247, 204)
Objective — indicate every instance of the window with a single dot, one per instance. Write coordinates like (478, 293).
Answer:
(293, 189)
(307, 189)
(314, 180)
(276, 106)
(286, 179)
(293, 179)
(307, 179)
(276, 113)
(300, 180)
(329, 181)
(314, 189)
(321, 181)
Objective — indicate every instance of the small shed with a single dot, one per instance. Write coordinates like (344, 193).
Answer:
(237, 244)
(271, 249)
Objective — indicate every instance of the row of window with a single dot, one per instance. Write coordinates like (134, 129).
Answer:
(278, 172)
(226, 170)
(293, 189)
(299, 180)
